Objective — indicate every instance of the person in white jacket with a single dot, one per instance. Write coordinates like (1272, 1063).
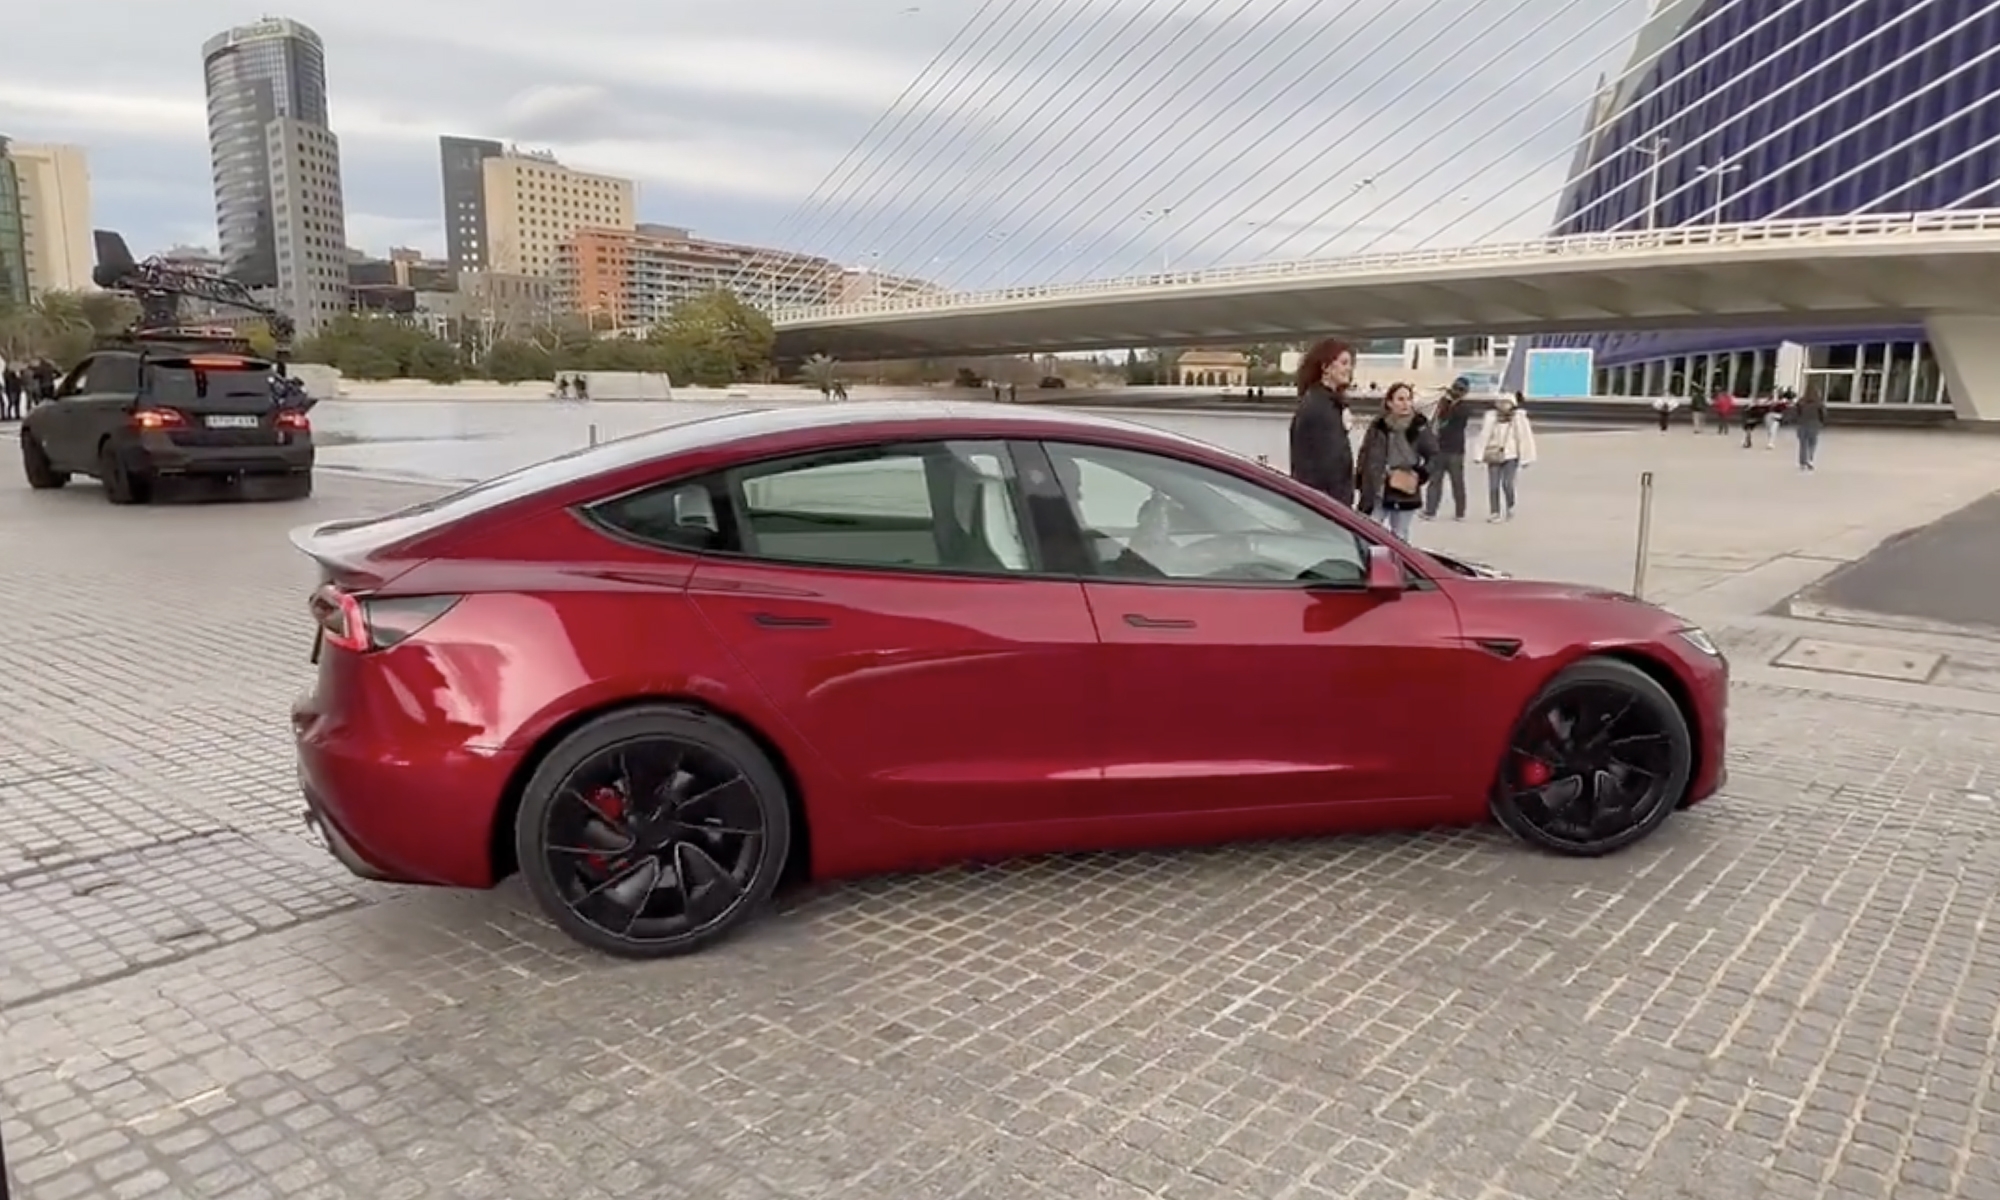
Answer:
(1505, 443)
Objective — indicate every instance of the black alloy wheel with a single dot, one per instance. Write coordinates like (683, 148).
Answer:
(42, 474)
(653, 832)
(121, 486)
(1600, 759)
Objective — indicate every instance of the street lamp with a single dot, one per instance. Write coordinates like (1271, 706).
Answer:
(1653, 148)
(1720, 172)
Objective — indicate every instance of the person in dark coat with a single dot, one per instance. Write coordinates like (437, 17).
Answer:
(1322, 455)
(1397, 452)
(1452, 415)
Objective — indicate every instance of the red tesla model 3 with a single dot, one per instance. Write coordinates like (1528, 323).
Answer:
(660, 675)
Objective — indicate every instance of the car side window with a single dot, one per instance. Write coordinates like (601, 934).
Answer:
(1151, 517)
(678, 516)
(76, 382)
(947, 506)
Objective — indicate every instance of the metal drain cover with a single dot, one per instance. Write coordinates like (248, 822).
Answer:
(1847, 658)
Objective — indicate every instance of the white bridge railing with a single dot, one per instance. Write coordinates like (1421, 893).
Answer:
(1870, 225)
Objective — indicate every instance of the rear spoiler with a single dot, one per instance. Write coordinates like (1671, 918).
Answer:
(350, 560)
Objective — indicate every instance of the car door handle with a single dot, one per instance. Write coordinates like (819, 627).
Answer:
(781, 621)
(1142, 621)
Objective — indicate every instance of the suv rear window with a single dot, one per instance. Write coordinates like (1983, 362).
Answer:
(198, 379)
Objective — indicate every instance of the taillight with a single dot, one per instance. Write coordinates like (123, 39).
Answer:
(294, 420)
(365, 623)
(156, 418)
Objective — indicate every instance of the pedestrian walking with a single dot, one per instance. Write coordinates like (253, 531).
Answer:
(1809, 419)
(1397, 450)
(1506, 445)
(1450, 420)
(1322, 454)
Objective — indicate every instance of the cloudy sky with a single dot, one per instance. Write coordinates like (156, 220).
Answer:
(979, 142)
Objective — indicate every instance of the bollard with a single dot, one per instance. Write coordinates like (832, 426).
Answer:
(593, 433)
(1644, 550)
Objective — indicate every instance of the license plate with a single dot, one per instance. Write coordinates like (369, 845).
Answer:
(233, 422)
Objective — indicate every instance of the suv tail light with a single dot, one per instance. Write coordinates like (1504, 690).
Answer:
(365, 623)
(295, 420)
(156, 418)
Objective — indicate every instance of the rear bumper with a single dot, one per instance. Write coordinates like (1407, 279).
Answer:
(157, 454)
(399, 813)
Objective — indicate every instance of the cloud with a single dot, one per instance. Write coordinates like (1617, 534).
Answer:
(1030, 139)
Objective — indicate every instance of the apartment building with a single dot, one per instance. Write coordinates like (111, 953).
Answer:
(857, 284)
(636, 276)
(53, 184)
(534, 205)
(309, 222)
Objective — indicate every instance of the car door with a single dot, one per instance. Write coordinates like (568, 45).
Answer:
(1246, 664)
(59, 422)
(91, 401)
(887, 601)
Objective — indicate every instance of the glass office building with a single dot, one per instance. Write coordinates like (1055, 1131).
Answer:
(1749, 110)
(257, 73)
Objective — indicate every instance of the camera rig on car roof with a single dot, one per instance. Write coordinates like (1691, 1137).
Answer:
(161, 286)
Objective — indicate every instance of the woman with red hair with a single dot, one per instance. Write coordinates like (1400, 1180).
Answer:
(1322, 455)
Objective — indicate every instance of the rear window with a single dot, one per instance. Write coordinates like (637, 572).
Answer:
(195, 379)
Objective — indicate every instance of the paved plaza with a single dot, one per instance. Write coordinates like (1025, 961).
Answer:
(1789, 992)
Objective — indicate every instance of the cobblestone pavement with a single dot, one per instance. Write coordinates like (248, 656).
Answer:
(1791, 991)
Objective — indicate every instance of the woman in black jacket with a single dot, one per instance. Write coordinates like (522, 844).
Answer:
(1322, 456)
(1397, 453)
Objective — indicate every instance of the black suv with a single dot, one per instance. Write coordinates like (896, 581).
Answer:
(140, 416)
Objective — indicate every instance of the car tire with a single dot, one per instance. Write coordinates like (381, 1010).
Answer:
(121, 486)
(42, 474)
(653, 832)
(1600, 758)
(301, 486)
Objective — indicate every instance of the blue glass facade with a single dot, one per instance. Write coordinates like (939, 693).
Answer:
(1764, 109)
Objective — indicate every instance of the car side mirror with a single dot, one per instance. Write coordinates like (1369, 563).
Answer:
(1385, 572)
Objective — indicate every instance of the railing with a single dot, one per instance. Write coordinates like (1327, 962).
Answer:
(1888, 225)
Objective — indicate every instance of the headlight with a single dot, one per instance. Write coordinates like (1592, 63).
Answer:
(1700, 640)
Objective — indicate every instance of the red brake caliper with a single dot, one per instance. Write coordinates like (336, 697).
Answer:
(609, 804)
(1534, 773)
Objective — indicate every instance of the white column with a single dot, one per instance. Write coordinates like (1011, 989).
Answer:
(1968, 351)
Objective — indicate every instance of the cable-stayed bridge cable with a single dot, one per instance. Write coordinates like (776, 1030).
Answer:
(1505, 18)
(1908, 141)
(838, 210)
(835, 206)
(838, 243)
(1056, 139)
(1589, 137)
(1140, 147)
(840, 170)
(1907, 99)
(1657, 129)
(1311, 98)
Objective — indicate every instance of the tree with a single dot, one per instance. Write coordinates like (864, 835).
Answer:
(518, 362)
(63, 325)
(715, 339)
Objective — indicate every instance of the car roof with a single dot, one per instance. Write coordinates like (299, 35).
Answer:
(842, 423)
